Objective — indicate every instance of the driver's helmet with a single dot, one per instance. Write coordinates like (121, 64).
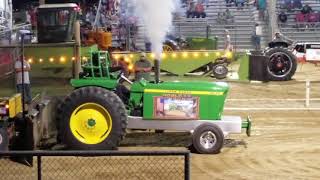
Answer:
(277, 34)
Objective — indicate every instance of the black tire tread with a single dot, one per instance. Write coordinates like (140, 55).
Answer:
(271, 51)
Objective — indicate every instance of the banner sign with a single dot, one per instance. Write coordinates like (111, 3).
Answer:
(176, 107)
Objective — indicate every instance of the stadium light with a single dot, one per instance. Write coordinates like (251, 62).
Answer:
(174, 55)
(62, 59)
(30, 60)
(185, 54)
(130, 67)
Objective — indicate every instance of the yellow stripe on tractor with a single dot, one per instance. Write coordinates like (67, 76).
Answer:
(212, 93)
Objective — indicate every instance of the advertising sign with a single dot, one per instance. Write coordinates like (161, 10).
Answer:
(176, 107)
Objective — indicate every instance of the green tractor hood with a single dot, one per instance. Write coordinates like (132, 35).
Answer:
(208, 97)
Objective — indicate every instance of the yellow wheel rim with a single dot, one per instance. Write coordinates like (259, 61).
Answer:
(167, 48)
(90, 123)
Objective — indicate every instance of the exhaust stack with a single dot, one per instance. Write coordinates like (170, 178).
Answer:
(157, 70)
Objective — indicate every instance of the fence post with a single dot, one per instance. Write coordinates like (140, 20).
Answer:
(307, 93)
(187, 166)
(39, 167)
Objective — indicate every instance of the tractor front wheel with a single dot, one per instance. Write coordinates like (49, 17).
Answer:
(92, 118)
(207, 139)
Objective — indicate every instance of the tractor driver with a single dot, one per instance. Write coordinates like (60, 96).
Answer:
(142, 68)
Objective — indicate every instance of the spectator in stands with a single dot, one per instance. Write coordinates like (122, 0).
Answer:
(221, 19)
(283, 17)
(306, 9)
(191, 10)
(313, 17)
(240, 3)
(300, 20)
(297, 4)
(262, 8)
(199, 11)
(33, 17)
(229, 17)
(287, 4)
(229, 3)
(206, 2)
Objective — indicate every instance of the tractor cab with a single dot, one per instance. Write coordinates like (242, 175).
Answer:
(55, 22)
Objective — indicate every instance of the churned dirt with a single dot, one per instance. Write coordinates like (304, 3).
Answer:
(285, 136)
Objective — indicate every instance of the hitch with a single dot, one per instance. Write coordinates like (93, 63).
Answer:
(247, 125)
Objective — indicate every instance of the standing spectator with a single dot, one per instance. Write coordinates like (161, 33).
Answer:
(256, 36)
(25, 85)
(227, 41)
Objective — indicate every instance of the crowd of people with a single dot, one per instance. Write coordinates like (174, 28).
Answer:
(195, 9)
(305, 17)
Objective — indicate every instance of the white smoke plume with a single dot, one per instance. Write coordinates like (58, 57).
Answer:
(156, 16)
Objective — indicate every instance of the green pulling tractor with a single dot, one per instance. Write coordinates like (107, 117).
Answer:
(97, 113)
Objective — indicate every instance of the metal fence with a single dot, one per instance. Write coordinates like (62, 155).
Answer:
(83, 165)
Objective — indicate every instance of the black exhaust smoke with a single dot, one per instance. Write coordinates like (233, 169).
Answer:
(157, 70)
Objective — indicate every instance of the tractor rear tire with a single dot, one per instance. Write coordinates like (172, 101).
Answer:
(282, 69)
(208, 139)
(4, 142)
(91, 118)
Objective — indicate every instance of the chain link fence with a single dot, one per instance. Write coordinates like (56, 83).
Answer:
(80, 165)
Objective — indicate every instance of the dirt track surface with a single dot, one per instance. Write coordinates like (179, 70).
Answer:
(284, 143)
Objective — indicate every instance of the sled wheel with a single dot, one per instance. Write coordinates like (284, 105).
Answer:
(207, 139)
(220, 71)
(92, 118)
